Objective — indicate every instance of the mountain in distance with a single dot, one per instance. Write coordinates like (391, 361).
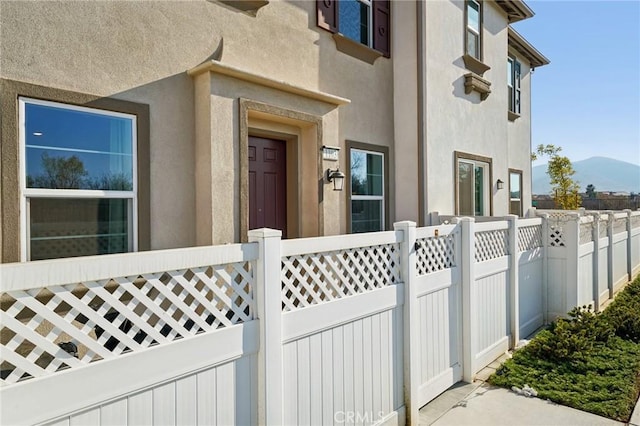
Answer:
(606, 174)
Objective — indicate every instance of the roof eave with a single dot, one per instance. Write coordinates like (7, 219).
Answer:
(517, 10)
(526, 49)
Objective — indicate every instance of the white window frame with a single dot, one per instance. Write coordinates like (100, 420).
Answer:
(355, 197)
(486, 199)
(469, 28)
(28, 193)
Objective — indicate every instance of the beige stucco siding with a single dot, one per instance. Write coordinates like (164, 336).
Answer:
(140, 51)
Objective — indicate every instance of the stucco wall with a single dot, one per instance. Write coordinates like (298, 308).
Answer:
(463, 122)
(140, 51)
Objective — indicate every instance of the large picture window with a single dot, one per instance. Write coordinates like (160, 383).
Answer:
(79, 180)
(473, 185)
(367, 191)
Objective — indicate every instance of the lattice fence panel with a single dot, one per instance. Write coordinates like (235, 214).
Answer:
(529, 237)
(620, 225)
(310, 279)
(556, 238)
(603, 229)
(58, 327)
(491, 245)
(586, 232)
(435, 254)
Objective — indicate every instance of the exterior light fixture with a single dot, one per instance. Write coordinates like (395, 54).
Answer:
(337, 177)
(500, 184)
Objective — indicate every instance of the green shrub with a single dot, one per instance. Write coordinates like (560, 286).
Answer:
(589, 361)
(572, 338)
(624, 313)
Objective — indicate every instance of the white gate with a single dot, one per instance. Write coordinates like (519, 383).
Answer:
(438, 291)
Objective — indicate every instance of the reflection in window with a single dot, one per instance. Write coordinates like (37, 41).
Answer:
(77, 149)
(367, 191)
(513, 84)
(515, 193)
(473, 188)
(91, 153)
(473, 29)
(354, 20)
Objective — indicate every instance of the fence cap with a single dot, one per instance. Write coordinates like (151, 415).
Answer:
(264, 233)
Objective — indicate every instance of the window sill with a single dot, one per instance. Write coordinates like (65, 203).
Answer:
(474, 65)
(474, 82)
(513, 116)
(355, 49)
(246, 5)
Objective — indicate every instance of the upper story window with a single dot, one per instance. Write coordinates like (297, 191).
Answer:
(474, 29)
(354, 17)
(513, 83)
(366, 22)
(78, 180)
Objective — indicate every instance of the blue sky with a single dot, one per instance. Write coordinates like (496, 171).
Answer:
(588, 99)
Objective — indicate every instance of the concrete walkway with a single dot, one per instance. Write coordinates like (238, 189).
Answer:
(482, 404)
(479, 403)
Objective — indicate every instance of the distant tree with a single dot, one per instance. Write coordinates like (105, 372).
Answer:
(59, 173)
(560, 170)
(591, 191)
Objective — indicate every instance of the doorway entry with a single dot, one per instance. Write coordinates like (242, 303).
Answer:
(267, 184)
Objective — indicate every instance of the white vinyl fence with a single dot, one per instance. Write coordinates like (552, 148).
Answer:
(357, 329)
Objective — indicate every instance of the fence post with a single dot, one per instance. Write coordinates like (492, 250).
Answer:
(514, 281)
(411, 320)
(571, 236)
(545, 267)
(629, 266)
(610, 223)
(269, 310)
(467, 263)
(596, 261)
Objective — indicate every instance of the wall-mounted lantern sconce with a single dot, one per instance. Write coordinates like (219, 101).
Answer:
(337, 177)
(500, 184)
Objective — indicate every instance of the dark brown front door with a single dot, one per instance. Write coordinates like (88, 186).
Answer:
(267, 184)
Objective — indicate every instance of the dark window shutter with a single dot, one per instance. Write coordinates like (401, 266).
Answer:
(328, 14)
(382, 26)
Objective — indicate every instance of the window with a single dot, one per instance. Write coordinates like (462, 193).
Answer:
(367, 175)
(513, 83)
(473, 185)
(363, 21)
(515, 192)
(354, 17)
(78, 180)
(474, 29)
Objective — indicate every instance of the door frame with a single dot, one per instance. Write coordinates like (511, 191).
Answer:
(310, 137)
(291, 166)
